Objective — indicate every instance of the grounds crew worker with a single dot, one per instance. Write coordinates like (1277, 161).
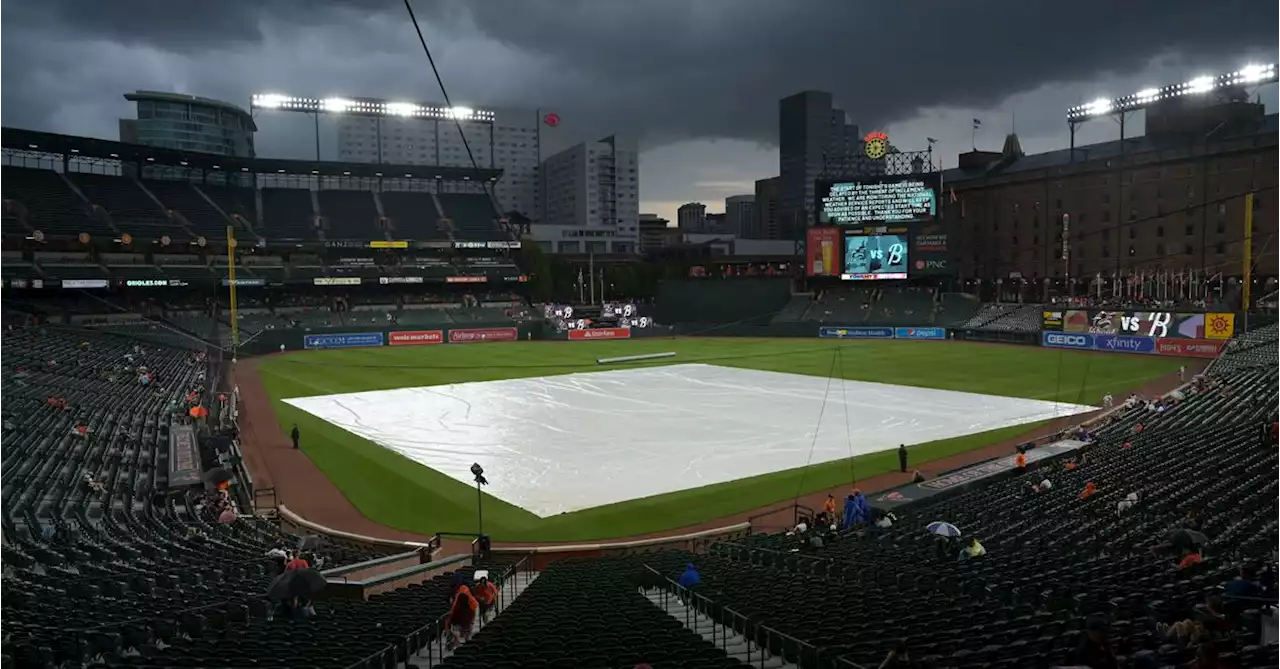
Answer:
(294, 434)
(902, 458)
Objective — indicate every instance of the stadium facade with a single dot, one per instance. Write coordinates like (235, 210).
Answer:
(515, 141)
(1162, 202)
(189, 123)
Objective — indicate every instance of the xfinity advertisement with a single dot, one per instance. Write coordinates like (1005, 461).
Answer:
(1112, 343)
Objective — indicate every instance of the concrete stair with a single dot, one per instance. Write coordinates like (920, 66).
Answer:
(521, 581)
(736, 645)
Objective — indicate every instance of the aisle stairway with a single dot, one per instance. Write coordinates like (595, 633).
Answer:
(438, 653)
(734, 644)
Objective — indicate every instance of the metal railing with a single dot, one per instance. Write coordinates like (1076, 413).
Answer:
(781, 559)
(431, 637)
(762, 641)
(797, 511)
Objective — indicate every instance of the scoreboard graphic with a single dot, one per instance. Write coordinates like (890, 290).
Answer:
(1158, 324)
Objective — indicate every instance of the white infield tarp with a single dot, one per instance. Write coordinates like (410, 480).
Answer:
(556, 444)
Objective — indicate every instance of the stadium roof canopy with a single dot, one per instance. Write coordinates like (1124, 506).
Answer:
(15, 139)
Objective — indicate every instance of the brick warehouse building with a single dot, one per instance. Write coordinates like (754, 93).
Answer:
(1171, 200)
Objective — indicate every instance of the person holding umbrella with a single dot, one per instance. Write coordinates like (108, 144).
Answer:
(295, 589)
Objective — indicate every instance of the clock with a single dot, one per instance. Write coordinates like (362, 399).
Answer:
(876, 147)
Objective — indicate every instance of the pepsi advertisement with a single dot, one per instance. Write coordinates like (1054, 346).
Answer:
(920, 333)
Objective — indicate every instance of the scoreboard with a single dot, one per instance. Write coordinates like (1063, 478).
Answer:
(1157, 324)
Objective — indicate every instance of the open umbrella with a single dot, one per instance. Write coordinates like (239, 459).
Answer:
(296, 583)
(1185, 538)
(943, 529)
(217, 475)
(309, 542)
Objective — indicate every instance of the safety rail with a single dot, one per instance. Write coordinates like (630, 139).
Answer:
(795, 508)
(432, 636)
(763, 641)
(374, 660)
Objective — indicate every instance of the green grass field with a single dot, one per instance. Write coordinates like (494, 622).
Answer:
(397, 492)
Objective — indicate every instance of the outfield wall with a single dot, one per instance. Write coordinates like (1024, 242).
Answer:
(297, 339)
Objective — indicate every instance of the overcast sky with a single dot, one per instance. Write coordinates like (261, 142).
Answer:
(696, 81)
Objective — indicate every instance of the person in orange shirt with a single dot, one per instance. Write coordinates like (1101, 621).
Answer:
(1021, 461)
(485, 592)
(829, 506)
(462, 614)
(1190, 559)
(1089, 489)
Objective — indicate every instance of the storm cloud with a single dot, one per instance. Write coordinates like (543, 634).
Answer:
(666, 71)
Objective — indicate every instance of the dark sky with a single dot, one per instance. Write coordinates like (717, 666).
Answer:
(696, 81)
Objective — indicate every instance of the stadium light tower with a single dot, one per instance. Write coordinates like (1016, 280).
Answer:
(370, 107)
(1119, 108)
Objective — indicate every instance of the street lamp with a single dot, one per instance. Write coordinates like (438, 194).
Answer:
(478, 472)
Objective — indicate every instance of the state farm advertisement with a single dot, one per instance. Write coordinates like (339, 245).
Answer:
(417, 337)
(1190, 348)
(599, 333)
(474, 335)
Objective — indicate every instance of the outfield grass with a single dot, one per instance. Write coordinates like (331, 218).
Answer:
(397, 492)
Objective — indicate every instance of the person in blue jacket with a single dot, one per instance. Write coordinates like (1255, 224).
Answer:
(690, 577)
(856, 510)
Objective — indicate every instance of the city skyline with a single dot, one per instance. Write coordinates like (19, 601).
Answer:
(705, 133)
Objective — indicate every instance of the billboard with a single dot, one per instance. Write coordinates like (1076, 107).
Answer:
(415, 337)
(874, 257)
(822, 251)
(1065, 340)
(929, 252)
(342, 340)
(1190, 348)
(593, 334)
(882, 201)
(919, 333)
(1155, 324)
(831, 332)
(1123, 343)
(476, 335)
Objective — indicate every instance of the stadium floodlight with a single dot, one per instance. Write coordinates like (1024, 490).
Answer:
(367, 107)
(1245, 76)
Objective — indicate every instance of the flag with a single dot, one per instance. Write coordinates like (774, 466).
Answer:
(977, 124)
(931, 141)
(953, 195)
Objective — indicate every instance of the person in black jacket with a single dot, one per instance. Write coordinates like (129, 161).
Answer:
(902, 458)
(294, 434)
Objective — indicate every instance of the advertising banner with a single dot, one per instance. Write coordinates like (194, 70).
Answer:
(828, 332)
(599, 333)
(415, 337)
(929, 251)
(1066, 340)
(1154, 324)
(1190, 348)
(920, 333)
(822, 249)
(1124, 343)
(476, 335)
(336, 281)
(342, 340)
(1219, 326)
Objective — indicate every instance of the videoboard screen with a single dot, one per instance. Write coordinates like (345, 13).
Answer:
(1160, 324)
(874, 257)
(868, 202)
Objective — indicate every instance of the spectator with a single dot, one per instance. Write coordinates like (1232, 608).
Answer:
(1244, 585)
(297, 563)
(462, 615)
(486, 593)
(1089, 490)
(1190, 557)
(1043, 486)
(829, 506)
(856, 509)
(279, 556)
(1126, 503)
(1020, 461)
(973, 550)
(690, 577)
(1095, 647)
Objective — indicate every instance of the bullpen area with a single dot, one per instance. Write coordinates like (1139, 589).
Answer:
(577, 451)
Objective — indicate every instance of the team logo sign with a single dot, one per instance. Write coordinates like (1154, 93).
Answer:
(1219, 326)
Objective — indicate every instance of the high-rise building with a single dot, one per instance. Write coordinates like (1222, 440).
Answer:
(188, 123)
(692, 217)
(653, 232)
(593, 199)
(815, 139)
(515, 141)
(765, 221)
(739, 211)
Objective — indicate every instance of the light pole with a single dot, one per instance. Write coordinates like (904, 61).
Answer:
(478, 472)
